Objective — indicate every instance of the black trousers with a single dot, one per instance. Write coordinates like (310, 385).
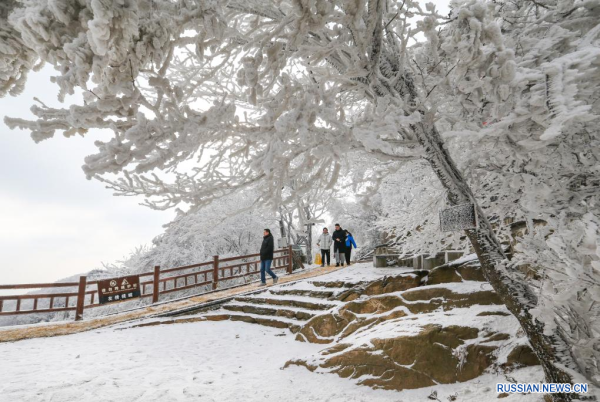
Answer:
(348, 253)
(339, 249)
(325, 253)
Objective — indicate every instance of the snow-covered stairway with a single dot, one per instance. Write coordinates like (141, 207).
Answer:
(283, 306)
(293, 305)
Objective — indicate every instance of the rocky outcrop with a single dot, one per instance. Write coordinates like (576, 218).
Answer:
(416, 330)
(436, 355)
(327, 328)
(411, 330)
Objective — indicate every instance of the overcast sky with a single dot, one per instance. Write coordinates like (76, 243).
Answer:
(53, 221)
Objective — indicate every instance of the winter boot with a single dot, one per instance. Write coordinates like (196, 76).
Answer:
(263, 284)
(275, 280)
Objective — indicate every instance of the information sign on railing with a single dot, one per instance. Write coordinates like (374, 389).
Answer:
(119, 289)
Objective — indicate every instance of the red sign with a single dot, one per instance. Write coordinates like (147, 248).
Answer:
(119, 289)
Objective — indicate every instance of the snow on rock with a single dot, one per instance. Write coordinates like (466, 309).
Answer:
(403, 333)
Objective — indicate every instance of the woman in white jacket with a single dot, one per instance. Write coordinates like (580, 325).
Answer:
(324, 243)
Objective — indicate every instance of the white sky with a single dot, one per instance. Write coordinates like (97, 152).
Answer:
(53, 221)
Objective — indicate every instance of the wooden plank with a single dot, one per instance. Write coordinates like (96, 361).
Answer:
(239, 258)
(180, 276)
(202, 264)
(41, 296)
(187, 287)
(155, 281)
(215, 279)
(80, 299)
(38, 285)
(55, 310)
(236, 265)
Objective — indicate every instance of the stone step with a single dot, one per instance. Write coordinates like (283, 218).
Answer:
(290, 301)
(276, 311)
(469, 271)
(387, 284)
(319, 294)
(277, 322)
(337, 284)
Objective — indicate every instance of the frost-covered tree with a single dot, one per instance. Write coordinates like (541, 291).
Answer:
(233, 226)
(531, 159)
(208, 98)
(16, 59)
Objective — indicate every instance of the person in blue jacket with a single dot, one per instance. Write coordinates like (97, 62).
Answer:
(349, 243)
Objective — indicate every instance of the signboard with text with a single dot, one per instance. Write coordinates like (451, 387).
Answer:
(119, 289)
(460, 217)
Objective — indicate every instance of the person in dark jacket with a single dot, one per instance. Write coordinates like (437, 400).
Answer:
(266, 257)
(339, 245)
(349, 243)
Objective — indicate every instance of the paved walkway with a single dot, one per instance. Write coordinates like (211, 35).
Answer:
(10, 334)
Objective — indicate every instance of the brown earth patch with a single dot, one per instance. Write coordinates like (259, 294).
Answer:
(412, 361)
(424, 300)
(522, 355)
(388, 284)
(486, 313)
(497, 337)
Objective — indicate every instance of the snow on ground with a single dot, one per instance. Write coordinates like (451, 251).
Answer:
(363, 271)
(206, 361)
(202, 361)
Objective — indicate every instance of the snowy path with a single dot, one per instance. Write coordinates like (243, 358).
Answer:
(206, 361)
(202, 361)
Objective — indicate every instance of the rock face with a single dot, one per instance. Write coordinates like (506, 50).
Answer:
(416, 330)
(406, 362)
(411, 330)
(397, 296)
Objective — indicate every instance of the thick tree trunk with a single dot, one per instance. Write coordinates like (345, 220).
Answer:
(309, 236)
(281, 226)
(517, 296)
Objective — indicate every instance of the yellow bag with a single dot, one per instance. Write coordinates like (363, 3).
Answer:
(318, 259)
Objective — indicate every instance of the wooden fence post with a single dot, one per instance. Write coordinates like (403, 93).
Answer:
(155, 284)
(80, 299)
(215, 272)
(290, 259)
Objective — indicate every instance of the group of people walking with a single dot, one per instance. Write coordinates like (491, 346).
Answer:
(342, 241)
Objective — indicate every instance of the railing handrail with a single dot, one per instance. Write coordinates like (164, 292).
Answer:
(218, 274)
(39, 285)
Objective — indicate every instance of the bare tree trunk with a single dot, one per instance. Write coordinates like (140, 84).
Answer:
(309, 227)
(290, 228)
(281, 225)
(552, 352)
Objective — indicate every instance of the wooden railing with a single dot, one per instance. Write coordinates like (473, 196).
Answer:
(152, 284)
